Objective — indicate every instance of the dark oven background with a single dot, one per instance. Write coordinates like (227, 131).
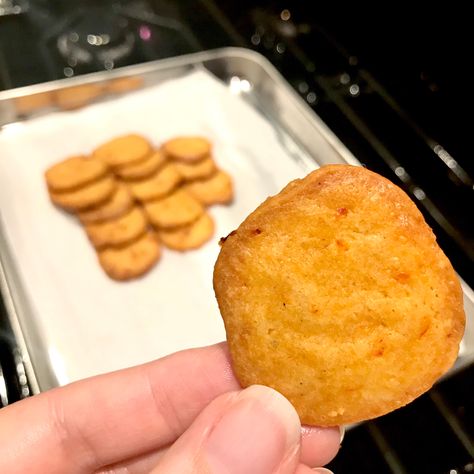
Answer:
(392, 83)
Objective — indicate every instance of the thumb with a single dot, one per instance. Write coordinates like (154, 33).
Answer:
(255, 430)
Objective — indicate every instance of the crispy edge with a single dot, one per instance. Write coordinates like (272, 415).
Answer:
(126, 275)
(52, 181)
(176, 239)
(310, 186)
(189, 155)
(96, 233)
(96, 214)
(65, 201)
(111, 160)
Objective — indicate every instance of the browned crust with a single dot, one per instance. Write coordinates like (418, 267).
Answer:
(116, 206)
(118, 232)
(131, 261)
(161, 184)
(175, 210)
(188, 237)
(143, 169)
(187, 149)
(93, 194)
(335, 293)
(123, 151)
(200, 170)
(215, 189)
(73, 173)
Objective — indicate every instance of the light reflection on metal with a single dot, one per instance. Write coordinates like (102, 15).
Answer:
(8, 7)
(70, 46)
(303, 87)
(255, 39)
(3, 390)
(21, 373)
(245, 85)
(238, 85)
(98, 40)
(452, 164)
(145, 32)
(280, 47)
(235, 85)
(345, 78)
(401, 173)
(445, 156)
(285, 14)
(311, 98)
(354, 90)
(419, 193)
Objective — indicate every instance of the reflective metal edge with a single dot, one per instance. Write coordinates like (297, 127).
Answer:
(290, 110)
(8, 284)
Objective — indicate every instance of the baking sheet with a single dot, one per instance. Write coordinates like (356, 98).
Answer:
(88, 323)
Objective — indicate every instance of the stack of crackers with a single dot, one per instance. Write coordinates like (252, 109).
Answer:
(131, 198)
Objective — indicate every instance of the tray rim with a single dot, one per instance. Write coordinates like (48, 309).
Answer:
(192, 59)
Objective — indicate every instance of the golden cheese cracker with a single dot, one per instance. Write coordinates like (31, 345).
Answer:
(190, 236)
(118, 231)
(335, 293)
(132, 260)
(176, 210)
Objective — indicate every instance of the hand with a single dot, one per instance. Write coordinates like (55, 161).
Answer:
(183, 413)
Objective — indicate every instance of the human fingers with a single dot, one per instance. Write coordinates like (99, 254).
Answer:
(254, 430)
(319, 445)
(109, 418)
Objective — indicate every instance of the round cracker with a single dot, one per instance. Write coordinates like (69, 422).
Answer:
(88, 196)
(131, 261)
(31, 103)
(124, 150)
(178, 209)
(119, 231)
(200, 170)
(188, 237)
(142, 169)
(73, 173)
(159, 185)
(119, 203)
(335, 293)
(188, 149)
(124, 84)
(75, 97)
(217, 189)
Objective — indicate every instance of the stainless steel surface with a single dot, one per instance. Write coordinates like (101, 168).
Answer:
(3, 390)
(18, 310)
(246, 73)
(9, 7)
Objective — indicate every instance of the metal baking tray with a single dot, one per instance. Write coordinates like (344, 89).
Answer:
(247, 74)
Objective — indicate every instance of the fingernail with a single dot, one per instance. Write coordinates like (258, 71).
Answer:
(257, 432)
(342, 430)
(322, 470)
